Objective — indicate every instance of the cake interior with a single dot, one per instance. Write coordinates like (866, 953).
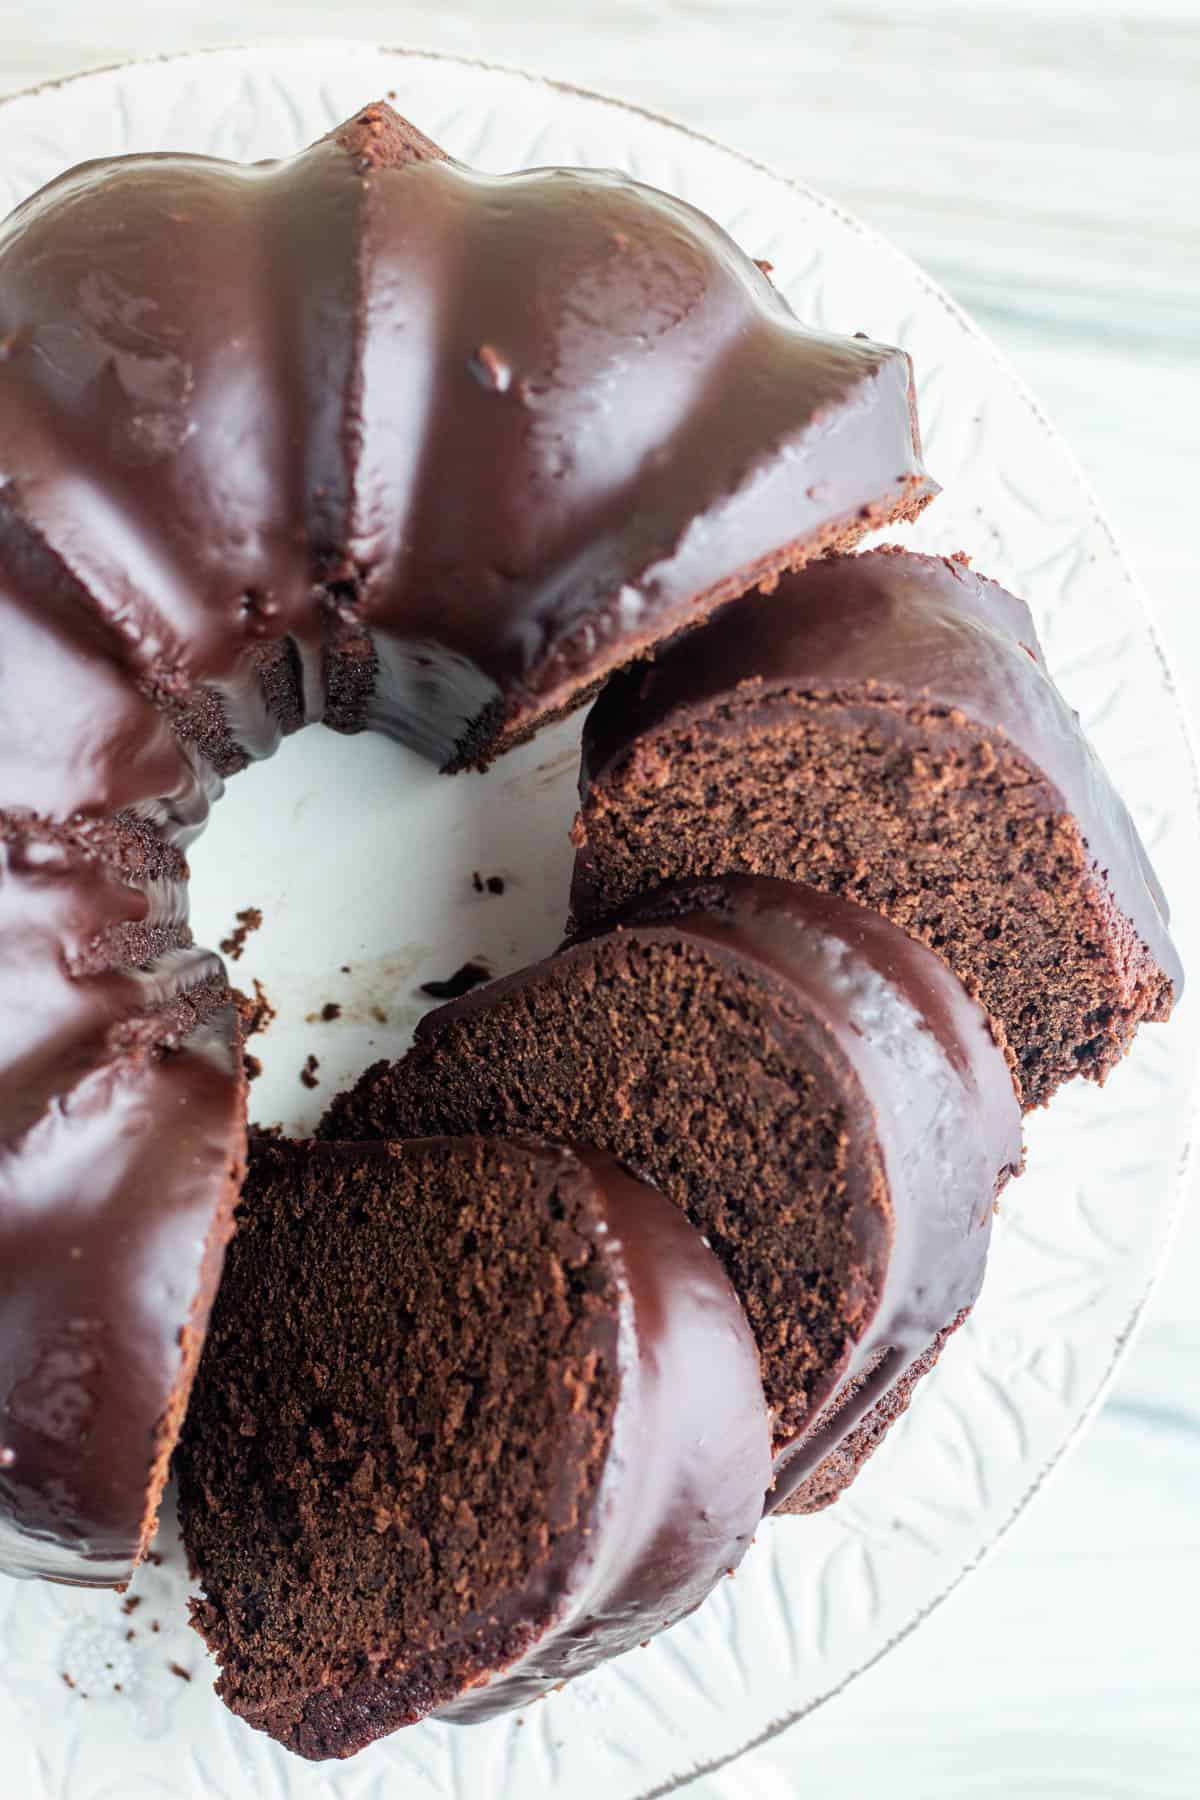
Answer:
(954, 837)
(400, 1422)
(704, 1080)
(500, 729)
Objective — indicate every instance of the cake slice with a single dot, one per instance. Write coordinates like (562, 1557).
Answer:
(471, 1418)
(816, 1092)
(886, 728)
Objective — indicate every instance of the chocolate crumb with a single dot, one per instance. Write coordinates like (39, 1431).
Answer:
(461, 982)
(68, 1679)
(254, 1012)
(253, 1066)
(264, 1012)
(331, 1010)
(130, 1635)
(176, 1669)
(768, 268)
(131, 1603)
(249, 919)
(377, 1012)
(477, 881)
(345, 968)
(308, 1073)
(154, 1625)
(117, 1688)
(154, 1558)
(495, 884)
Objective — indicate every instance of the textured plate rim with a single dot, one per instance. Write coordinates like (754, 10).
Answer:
(1139, 596)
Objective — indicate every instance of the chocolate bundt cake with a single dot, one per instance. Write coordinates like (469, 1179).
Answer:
(887, 729)
(435, 452)
(815, 1091)
(121, 1102)
(364, 437)
(472, 1417)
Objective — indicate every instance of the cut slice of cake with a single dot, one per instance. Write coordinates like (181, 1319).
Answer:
(471, 1418)
(817, 1093)
(885, 727)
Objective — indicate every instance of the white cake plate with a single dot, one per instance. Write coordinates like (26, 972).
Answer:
(359, 855)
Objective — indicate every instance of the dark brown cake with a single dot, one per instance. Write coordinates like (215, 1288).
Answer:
(816, 1092)
(886, 728)
(122, 1097)
(471, 1418)
(362, 437)
(432, 451)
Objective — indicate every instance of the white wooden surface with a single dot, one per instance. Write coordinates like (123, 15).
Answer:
(1045, 166)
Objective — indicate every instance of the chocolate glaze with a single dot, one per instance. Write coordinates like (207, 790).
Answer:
(886, 625)
(920, 1076)
(78, 743)
(362, 436)
(121, 1100)
(111, 1232)
(305, 453)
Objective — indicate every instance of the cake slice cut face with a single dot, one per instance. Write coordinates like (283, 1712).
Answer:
(886, 728)
(471, 1418)
(816, 1093)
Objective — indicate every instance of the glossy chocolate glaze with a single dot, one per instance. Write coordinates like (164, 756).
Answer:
(111, 1232)
(121, 1098)
(78, 743)
(888, 625)
(920, 1076)
(362, 436)
(484, 433)
(688, 1461)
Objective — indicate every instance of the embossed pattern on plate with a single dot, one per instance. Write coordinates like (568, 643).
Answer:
(391, 896)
